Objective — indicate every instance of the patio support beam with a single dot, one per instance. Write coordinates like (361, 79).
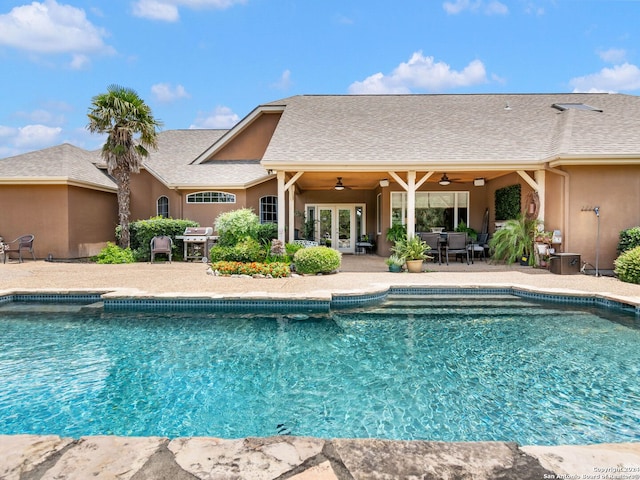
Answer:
(532, 183)
(411, 204)
(292, 217)
(281, 204)
(540, 178)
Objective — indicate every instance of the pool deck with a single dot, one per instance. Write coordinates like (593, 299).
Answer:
(27, 457)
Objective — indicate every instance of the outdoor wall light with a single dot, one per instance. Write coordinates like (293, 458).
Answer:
(384, 182)
(478, 182)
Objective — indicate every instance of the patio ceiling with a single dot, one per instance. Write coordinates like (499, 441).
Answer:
(371, 180)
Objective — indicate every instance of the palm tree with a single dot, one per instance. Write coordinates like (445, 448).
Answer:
(121, 114)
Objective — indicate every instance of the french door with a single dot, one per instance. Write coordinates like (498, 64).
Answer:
(336, 225)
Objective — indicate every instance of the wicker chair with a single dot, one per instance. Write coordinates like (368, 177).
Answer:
(161, 244)
(24, 242)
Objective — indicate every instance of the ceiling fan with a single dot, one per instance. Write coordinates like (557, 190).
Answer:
(339, 185)
(444, 181)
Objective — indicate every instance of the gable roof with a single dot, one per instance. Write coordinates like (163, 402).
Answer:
(506, 130)
(172, 163)
(62, 164)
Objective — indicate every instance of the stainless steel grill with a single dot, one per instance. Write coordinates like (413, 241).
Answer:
(197, 242)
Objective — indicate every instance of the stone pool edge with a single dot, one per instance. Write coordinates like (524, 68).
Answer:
(33, 457)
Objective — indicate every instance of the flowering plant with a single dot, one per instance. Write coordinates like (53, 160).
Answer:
(274, 269)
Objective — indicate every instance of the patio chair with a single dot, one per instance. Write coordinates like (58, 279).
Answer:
(24, 242)
(479, 246)
(161, 244)
(456, 245)
(434, 241)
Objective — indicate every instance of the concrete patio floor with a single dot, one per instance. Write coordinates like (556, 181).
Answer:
(26, 457)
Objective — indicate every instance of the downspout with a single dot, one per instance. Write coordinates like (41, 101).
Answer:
(565, 201)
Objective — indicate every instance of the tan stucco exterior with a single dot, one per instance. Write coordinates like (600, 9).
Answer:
(67, 221)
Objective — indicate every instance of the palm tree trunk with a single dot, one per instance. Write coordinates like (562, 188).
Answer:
(122, 179)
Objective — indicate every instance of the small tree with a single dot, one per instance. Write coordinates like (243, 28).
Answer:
(121, 114)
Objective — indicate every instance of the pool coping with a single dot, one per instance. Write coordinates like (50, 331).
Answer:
(127, 298)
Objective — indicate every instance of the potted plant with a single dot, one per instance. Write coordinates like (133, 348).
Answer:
(515, 241)
(413, 250)
(394, 262)
(396, 232)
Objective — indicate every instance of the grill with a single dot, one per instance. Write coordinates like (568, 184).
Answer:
(197, 242)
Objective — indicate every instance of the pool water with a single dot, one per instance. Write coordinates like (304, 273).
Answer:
(448, 368)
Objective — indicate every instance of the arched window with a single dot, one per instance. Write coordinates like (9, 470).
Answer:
(163, 207)
(269, 209)
(211, 197)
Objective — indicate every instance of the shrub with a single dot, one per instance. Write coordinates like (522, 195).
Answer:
(507, 202)
(627, 266)
(235, 226)
(112, 253)
(247, 250)
(142, 231)
(629, 239)
(292, 248)
(265, 232)
(275, 269)
(313, 260)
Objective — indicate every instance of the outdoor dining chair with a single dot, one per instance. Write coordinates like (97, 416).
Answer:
(161, 244)
(24, 242)
(456, 245)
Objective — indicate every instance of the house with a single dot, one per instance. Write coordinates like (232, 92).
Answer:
(336, 167)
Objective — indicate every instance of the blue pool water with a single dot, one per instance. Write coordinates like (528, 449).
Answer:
(451, 369)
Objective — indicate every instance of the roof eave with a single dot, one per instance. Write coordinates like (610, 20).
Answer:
(595, 159)
(57, 181)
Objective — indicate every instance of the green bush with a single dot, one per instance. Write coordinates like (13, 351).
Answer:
(247, 250)
(313, 260)
(265, 232)
(233, 227)
(142, 231)
(627, 266)
(112, 253)
(629, 239)
(292, 248)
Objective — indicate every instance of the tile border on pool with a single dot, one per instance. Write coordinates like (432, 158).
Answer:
(112, 301)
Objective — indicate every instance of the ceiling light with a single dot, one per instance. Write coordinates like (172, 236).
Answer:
(339, 185)
(444, 181)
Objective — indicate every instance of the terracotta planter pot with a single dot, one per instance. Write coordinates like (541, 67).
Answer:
(414, 266)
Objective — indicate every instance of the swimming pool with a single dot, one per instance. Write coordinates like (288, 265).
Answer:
(453, 368)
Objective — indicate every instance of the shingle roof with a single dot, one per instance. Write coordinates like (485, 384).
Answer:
(60, 164)
(171, 162)
(472, 129)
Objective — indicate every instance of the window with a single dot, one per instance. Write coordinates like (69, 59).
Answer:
(269, 209)
(211, 197)
(163, 207)
(433, 209)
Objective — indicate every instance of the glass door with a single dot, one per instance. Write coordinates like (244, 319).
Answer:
(346, 230)
(325, 226)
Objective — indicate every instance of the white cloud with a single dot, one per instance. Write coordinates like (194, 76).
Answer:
(620, 77)
(79, 61)
(35, 136)
(165, 93)
(421, 73)
(221, 117)
(613, 55)
(42, 116)
(491, 7)
(50, 27)
(284, 83)
(168, 10)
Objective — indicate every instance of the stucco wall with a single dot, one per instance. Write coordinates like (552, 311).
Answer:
(93, 216)
(68, 222)
(251, 143)
(615, 190)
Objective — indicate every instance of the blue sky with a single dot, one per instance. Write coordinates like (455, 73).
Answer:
(207, 63)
